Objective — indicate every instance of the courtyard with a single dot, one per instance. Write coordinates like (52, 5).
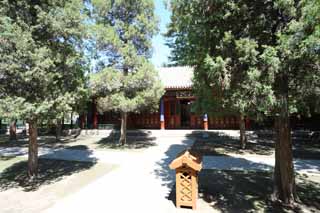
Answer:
(91, 173)
(159, 106)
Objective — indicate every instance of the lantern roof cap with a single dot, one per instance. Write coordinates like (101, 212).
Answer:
(187, 158)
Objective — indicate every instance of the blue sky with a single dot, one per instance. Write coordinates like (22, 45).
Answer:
(160, 50)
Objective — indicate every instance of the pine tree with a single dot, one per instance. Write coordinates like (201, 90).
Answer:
(255, 57)
(295, 63)
(221, 40)
(127, 81)
(41, 62)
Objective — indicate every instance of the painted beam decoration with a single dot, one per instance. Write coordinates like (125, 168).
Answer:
(180, 94)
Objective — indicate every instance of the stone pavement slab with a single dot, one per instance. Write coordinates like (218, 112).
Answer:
(143, 180)
(257, 163)
(142, 183)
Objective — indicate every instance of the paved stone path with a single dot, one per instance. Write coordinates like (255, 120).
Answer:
(257, 163)
(141, 184)
(143, 181)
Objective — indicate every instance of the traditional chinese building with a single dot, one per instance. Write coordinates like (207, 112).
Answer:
(175, 111)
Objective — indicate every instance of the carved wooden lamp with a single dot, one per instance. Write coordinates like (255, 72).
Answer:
(187, 167)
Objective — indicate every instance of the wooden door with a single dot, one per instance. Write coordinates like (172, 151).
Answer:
(169, 114)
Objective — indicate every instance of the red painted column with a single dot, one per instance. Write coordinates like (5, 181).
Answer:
(205, 122)
(162, 115)
(192, 121)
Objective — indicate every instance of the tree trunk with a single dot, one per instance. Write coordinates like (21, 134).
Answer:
(71, 121)
(62, 121)
(242, 127)
(33, 150)
(284, 180)
(13, 130)
(58, 129)
(123, 136)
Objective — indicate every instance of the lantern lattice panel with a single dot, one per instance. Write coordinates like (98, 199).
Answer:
(187, 167)
(185, 186)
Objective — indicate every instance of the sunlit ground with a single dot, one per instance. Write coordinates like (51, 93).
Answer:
(57, 179)
(223, 190)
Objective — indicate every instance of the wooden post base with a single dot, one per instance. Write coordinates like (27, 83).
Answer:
(205, 125)
(162, 125)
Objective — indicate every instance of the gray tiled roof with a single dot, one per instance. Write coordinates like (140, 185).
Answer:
(176, 77)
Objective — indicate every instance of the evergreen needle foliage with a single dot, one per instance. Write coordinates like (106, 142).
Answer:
(41, 62)
(258, 58)
(126, 81)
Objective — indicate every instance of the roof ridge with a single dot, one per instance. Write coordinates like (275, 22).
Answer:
(176, 77)
(186, 66)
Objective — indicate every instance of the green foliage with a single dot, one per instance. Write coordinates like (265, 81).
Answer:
(41, 63)
(297, 54)
(125, 80)
(247, 53)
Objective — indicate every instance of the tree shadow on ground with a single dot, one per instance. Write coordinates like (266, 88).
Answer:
(3, 138)
(259, 143)
(220, 143)
(305, 147)
(311, 166)
(45, 141)
(309, 192)
(77, 147)
(137, 139)
(167, 175)
(50, 171)
(231, 191)
(236, 190)
(243, 191)
(162, 169)
(306, 153)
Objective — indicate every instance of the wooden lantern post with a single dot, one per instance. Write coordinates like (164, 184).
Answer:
(187, 167)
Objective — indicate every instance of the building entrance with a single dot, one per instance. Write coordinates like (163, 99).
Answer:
(185, 106)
